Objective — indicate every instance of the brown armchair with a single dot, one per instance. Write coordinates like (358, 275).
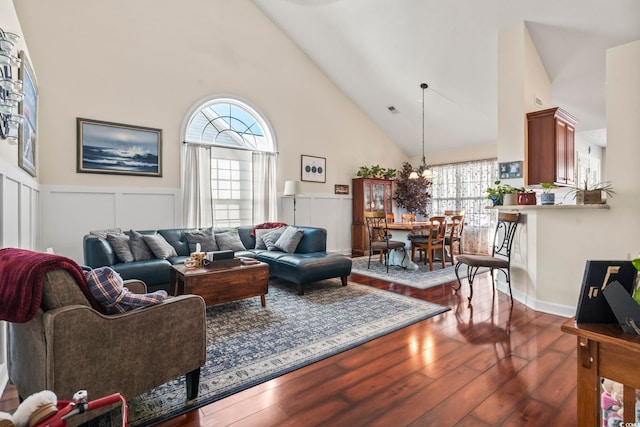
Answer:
(69, 346)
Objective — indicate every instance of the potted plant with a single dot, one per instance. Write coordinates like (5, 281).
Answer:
(376, 171)
(592, 194)
(503, 194)
(411, 194)
(548, 197)
(527, 197)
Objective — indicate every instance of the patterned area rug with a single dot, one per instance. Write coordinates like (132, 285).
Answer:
(421, 278)
(248, 344)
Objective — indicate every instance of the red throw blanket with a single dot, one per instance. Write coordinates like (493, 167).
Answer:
(21, 275)
(265, 225)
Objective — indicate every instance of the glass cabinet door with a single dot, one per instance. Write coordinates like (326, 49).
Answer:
(367, 196)
(379, 197)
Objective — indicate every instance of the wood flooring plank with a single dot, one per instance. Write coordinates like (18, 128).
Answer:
(458, 367)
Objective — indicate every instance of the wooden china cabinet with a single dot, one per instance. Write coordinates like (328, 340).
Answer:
(551, 147)
(368, 195)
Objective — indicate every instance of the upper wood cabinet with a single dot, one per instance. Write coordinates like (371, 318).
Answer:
(368, 195)
(551, 147)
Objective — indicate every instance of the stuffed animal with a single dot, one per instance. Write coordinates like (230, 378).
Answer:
(35, 408)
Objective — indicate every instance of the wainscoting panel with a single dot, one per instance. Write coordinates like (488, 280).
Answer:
(78, 210)
(332, 212)
(19, 227)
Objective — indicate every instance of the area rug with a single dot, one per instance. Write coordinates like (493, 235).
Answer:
(248, 344)
(421, 278)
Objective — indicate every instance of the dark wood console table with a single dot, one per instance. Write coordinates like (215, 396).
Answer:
(604, 351)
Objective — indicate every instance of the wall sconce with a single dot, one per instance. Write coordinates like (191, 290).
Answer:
(10, 88)
(291, 188)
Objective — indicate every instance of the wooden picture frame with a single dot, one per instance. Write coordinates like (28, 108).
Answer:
(114, 148)
(28, 107)
(508, 170)
(313, 169)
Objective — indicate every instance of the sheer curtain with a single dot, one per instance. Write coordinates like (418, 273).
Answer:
(265, 203)
(463, 186)
(198, 203)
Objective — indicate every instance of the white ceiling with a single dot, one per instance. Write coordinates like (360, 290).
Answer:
(379, 51)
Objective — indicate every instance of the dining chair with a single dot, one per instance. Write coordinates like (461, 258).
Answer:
(379, 237)
(453, 238)
(408, 218)
(451, 212)
(500, 258)
(432, 241)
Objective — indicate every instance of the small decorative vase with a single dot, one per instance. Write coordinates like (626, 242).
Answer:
(547, 199)
(496, 200)
(527, 198)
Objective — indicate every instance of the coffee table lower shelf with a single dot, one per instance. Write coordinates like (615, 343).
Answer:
(220, 285)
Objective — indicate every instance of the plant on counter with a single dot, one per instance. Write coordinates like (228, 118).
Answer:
(547, 187)
(496, 194)
(548, 197)
(411, 194)
(376, 171)
(587, 194)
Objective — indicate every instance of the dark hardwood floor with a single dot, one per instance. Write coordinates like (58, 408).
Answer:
(485, 364)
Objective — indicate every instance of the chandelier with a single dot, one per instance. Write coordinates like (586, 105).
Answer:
(423, 170)
(10, 88)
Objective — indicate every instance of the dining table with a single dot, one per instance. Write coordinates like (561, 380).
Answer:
(402, 230)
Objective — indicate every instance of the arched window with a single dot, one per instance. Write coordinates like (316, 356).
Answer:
(229, 166)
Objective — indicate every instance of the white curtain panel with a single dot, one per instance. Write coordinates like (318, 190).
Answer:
(198, 203)
(265, 202)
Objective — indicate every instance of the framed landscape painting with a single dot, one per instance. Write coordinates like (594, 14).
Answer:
(28, 107)
(113, 148)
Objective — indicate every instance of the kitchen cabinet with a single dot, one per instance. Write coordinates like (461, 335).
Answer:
(551, 147)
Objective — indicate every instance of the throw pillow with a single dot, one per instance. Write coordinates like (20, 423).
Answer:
(139, 248)
(260, 233)
(289, 240)
(105, 233)
(159, 246)
(229, 241)
(271, 238)
(120, 245)
(107, 287)
(206, 239)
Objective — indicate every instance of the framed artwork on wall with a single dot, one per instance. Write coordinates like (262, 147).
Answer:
(313, 169)
(28, 107)
(113, 148)
(341, 189)
(508, 170)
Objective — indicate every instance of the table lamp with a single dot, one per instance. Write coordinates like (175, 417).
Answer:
(291, 188)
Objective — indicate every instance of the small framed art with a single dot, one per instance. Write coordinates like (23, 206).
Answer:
(508, 170)
(313, 169)
(341, 189)
(28, 107)
(113, 148)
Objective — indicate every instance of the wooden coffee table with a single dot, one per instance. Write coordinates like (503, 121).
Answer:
(222, 284)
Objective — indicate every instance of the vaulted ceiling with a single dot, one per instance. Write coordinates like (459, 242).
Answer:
(378, 52)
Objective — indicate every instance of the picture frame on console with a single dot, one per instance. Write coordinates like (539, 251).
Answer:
(313, 169)
(121, 149)
(28, 108)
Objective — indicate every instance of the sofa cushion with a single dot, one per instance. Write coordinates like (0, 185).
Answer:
(288, 241)
(106, 232)
(120, 245)
(159, 246)
(259, 237)
(206, 238)
(271, 238)
(139, 248)
(229, 241)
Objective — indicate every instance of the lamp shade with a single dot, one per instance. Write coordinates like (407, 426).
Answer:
(291, 188)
